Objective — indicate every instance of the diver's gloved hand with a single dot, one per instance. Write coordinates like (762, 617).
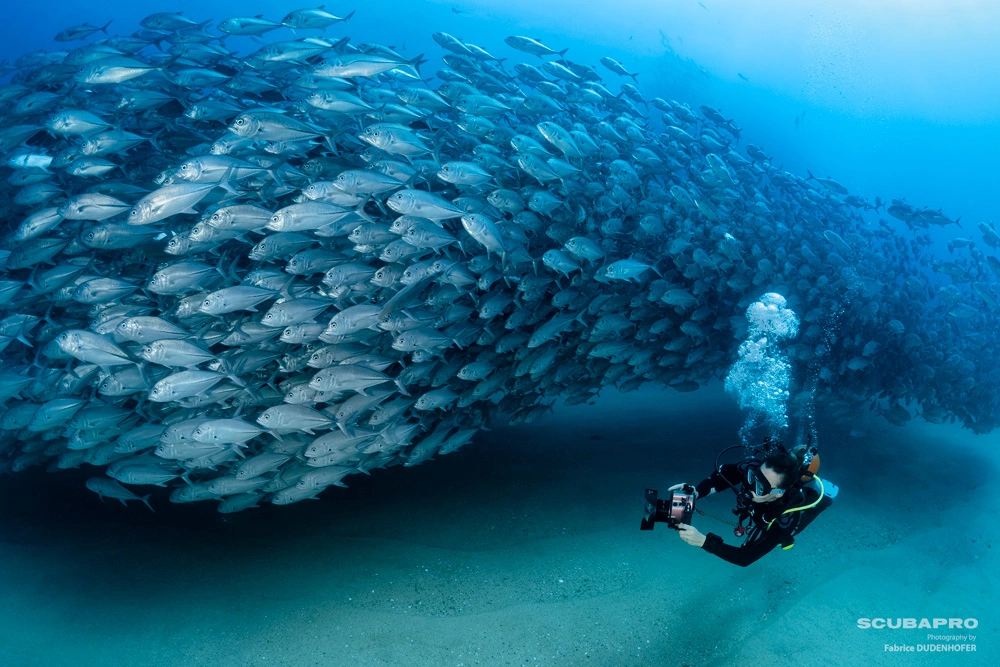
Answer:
(691, 535)
(677, 487)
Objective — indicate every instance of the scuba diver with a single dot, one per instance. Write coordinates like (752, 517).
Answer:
(777, 491)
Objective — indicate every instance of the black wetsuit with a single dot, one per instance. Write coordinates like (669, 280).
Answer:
(760, 538)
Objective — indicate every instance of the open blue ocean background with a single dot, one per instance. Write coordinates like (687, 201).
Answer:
(523, 547)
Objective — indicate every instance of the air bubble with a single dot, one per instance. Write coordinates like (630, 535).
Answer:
(761, 375)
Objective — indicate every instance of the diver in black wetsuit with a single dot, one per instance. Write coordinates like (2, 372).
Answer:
(777, 491)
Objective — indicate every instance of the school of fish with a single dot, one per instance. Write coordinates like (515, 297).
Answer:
(246, 271)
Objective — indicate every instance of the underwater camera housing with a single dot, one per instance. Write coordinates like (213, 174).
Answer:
(675, 510)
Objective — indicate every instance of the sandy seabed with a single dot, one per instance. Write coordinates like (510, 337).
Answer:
(521, 549)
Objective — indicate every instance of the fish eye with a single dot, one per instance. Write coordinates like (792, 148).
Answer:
(240, 121)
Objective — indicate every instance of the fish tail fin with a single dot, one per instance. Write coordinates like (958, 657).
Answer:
(275, 174)
(145, 498)
(225, 183)
(634, 78)
(415, 63)
(36, 363)
(31, 279)
(361, 213)
(329, 143)
(402, 387)
(286, 289)
(811, 177)
(228, 273)
(153, 142)
(187, 478)
(104, 29)
(347, 19)
(563, 52)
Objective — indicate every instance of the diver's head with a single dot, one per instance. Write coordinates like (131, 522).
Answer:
(776, 474)
(765, 484)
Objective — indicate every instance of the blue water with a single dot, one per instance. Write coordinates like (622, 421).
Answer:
(523, 549)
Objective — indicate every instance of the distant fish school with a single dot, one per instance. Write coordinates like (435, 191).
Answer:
(247, 278)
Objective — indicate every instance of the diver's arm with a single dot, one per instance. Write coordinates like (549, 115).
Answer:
(730, 476)
(743, 555)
